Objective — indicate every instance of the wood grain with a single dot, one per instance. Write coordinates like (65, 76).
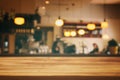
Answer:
(59, 66)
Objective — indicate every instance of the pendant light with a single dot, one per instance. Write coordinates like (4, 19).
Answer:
(104, 24)
(81, 31)
(91, 26)
(73, 33)
(19, 20)
(47, 2)
(59, 22)
(66, 33)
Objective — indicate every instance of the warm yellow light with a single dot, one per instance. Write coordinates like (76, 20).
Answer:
(73, 33)
(38, 27)
(81, 32)
(91, 26)
(32, 31)
(43, 7)
(47, 2)
(19, 20)
(66, 33)
(59, 22)
(104, 24)
(105, 37)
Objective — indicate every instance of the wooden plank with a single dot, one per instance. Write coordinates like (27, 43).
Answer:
(59, 66)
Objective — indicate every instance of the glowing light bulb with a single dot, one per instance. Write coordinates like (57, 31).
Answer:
(81, 32)
(47, 2)
(73, 33)
(91, 26)
(67, 33)
(104, 24)
(59, 22)
(19, 20)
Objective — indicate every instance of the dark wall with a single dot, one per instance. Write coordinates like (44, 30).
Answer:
(113, 11)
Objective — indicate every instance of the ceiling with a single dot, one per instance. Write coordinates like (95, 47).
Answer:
(106, 1)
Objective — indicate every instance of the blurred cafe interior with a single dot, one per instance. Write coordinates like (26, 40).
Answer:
(59, 39)
(59, 27)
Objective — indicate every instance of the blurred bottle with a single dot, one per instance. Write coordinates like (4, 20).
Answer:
(6, 45)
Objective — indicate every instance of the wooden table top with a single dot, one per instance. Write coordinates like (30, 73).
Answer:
(59, 66)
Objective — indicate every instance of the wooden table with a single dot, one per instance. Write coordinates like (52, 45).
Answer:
(59, 66)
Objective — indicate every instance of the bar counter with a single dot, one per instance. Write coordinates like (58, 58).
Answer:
(60, 65)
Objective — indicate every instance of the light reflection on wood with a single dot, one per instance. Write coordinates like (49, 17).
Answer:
(59, 66)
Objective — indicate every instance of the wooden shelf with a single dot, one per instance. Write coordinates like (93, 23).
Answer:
(70, 26)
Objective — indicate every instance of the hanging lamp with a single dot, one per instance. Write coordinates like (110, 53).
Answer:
(81, 32)
(19, 20)
(73, 33)
(91, 26)
(59, 22)
(47, 2)
(104, 24)
(66, 33)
